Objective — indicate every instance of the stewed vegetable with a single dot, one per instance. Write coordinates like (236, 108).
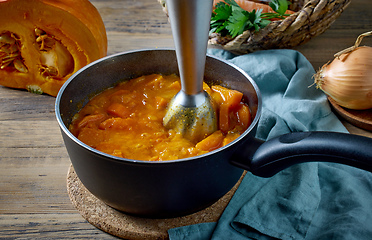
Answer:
(127, 120)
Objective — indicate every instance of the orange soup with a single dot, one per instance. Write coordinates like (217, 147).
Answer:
(127, 120)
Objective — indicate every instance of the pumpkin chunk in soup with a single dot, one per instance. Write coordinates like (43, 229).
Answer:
(127, 120)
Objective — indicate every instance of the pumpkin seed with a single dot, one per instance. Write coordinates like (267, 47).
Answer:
(6, 39)
(20, 66)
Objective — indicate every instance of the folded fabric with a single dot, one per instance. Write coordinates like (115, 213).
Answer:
(305, 201)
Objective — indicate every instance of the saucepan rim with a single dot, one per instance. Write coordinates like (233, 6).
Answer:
(64, 128)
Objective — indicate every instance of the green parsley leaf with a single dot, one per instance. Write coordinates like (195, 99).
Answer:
(237, 23)
(222, 12)
(279, 6)
(228, 18)
(264, 23)
(219, 18)
(232, 3)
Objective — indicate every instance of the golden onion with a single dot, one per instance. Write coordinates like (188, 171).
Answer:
(348, 78)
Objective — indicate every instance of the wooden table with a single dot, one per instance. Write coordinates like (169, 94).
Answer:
(33, 160)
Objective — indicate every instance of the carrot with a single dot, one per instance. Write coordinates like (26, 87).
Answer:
(118, 110)
(156, 83)
(175, 85)
(118, 95)
(244, 116)
(230, 97)
(117, 123)
(249, 6)
(211, 142)
(224, 118)
(206, 88)
(90, 119)
(238, 119)
(231, 101)
(161, 103)
(229, 138)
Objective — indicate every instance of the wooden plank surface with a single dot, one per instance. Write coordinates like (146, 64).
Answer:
(33, 161)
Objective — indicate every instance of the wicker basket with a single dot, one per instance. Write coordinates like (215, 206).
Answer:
(311, 18)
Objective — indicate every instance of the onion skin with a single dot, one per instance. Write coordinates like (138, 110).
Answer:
(348, 79)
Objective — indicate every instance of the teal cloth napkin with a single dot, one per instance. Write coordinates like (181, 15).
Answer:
(305, 201)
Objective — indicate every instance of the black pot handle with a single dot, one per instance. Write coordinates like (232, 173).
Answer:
(265, 159)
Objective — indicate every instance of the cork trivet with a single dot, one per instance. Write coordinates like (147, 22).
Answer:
(130, 227)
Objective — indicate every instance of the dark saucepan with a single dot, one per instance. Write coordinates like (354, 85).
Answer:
(175, 188)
